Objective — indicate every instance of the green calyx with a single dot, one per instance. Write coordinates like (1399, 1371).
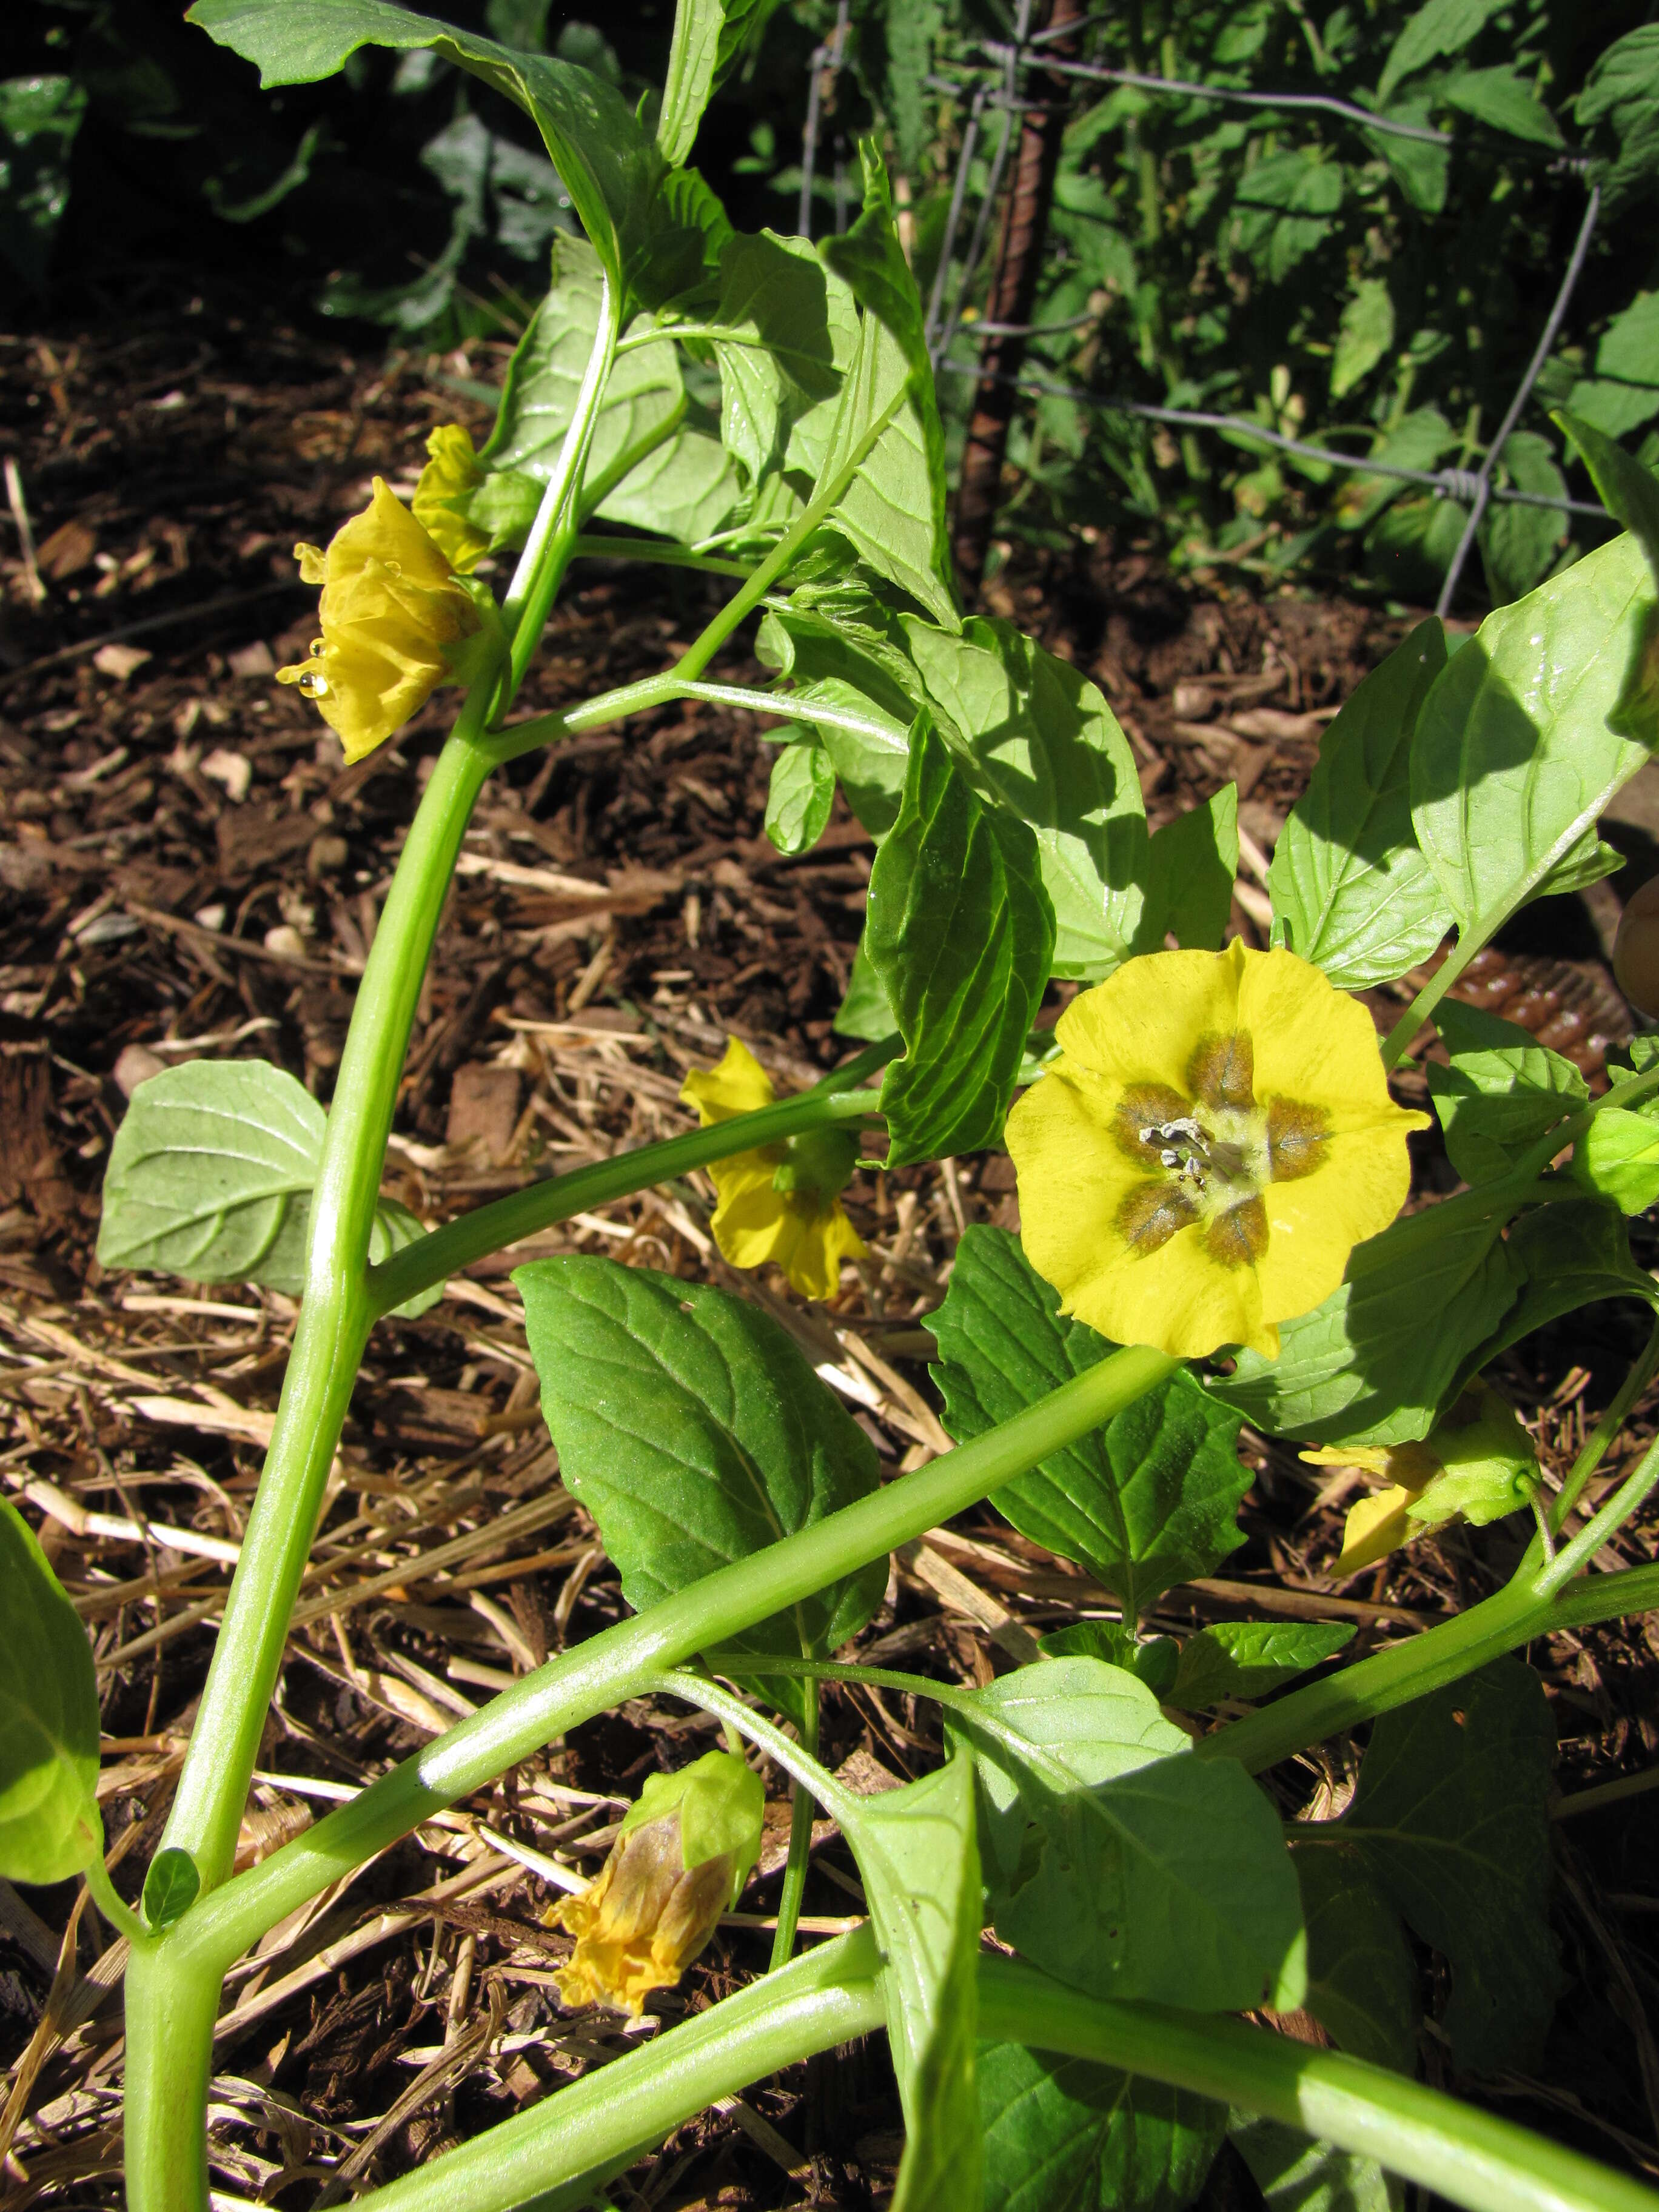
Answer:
(818, 1163)
(1489, 1466)
(721, 1806)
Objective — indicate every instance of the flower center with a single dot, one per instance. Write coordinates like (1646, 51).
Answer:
(1213, 1152)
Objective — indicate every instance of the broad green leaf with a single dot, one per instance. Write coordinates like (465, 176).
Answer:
(800, 796)
(1628, 347)
(692, 57)
(865, 1012)
(1570, 1253)
(1618, 1157)
(1440, 26)
(1063, 2135)
(1364, 335)
(1047, 744)
(848, 630)
(1621, 93)
(960, 932)
(611, 169)
(893, 511)
(1192, 863)
(1503, 99)
(868, 750)
(1348, 878)
(1153, 1660)
(785, 334)
(1249, 1658)
(1450, 1819)
(1518, 542)
(170, 1888)
(205, 1169)
(1148, 1873)
(1145, 1502)
(1517, 752)
(1500, 1093)
(693, 1430)
(49, 1823)
(1420, 170)
(1377, 1360)
(1629, 491)
(1295, 2175)
(651, 471)
(1362, 1980)
(919, 1865)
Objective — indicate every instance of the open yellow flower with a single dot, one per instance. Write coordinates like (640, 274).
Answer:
(1477, 1463)
(680, 1861)
(779, 1202)
(450, 472)
(390, 607)
(1213, 1139)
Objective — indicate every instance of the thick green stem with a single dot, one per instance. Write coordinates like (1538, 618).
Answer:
(619, 1662)
(492, 1228)
(800, 1843)
(1484, 2164)
(170, 2012)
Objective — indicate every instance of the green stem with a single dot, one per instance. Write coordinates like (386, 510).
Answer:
(110, 1902)
(1595, 1444)
(612, 1666)
(1589, 1540)
(594, 545)
(662, 691)
(171, 2007)
(562, 2150)
(796, 1762)
(800, 1843)
(1422, 1007)
(1475, 2160)
(492, 1228)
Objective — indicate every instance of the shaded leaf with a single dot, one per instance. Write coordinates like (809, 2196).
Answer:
(1629, 491)
(1063, 2135)
(1249, 1658)
(1570, 1253)
(170, 1888)
(1362, 1980)
(1501, 1091)
(800, 796)
(49, 1823)
(785, 334)
(1503, 99)
(1439, 27)
(1295, 2175)
(1364, 335)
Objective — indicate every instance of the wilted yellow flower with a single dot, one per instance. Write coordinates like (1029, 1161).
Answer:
(390, 607)
(1478, 1461)
(451, 471)
(780, 1202)
(681, 1859)
(1213, 1139)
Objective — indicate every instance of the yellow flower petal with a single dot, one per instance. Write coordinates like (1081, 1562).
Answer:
(451, 471)
(1143, 1024)
(739, 1084)
(1374, 1528)
(640, 1925)
(1314, 1222)
(1317, 1043)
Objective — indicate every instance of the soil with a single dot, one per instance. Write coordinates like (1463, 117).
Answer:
(190, 871)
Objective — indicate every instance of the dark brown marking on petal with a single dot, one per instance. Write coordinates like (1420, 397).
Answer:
(1298, 1139)
(1222, 1071)
(1146, 1106)
(1151, 1213)
(1239, 1236)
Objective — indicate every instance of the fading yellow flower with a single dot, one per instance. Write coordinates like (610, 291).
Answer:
(780, 1202)
(1477, 1462)
(450, 472)
(1213, 1139)
(390, 607)
(680, 1861)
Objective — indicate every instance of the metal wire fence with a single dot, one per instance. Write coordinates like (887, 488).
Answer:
(996, 85)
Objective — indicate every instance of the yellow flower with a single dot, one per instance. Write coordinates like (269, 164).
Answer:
(1213, 1139)
(681, 1859)
(391, 606)
(779, 1202)
(1477, 1462)
(450, 472)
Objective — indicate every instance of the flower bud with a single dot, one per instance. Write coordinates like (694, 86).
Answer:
(679, 1861)
(1636, 949)
(1477, 1463)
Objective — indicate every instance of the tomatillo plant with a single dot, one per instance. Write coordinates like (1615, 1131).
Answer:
(1211, 1164)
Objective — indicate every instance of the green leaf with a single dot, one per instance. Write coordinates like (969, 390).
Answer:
(1249, 1658)
(1629, 491)
(785, 335)
(692, 58)
(1500, 1093)
(1630, 345)
(644, 467)
(1450, 1819)
(1295, 2175)
(1145, 1503)
(1347, 878)
(693, 1430)
(1440, 26)
(1517, 750)
(1123, 1865)
(170, 1888)
(1504, 100)
(919, 1865)
(1361, 1981)
(1376, 1361)
(960, 932)
(1364, 337)
(893, 511)
(1191, 865)
(1621, 93)
(865, 1012)
(1519, 543)
(49, 1823)
(848, 631)
(1420, 169)
(871, 759)
(1618, 1157)
(611, 169)
(1046, 744)
(1153, 1660)
(1570, 1253)
(800, 796)
(1063, 2135)
(39, 118)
